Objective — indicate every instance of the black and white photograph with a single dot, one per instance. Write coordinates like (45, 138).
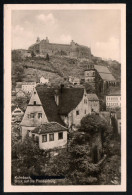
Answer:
(65, 88)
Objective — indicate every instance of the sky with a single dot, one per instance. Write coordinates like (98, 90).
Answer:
(98, 29)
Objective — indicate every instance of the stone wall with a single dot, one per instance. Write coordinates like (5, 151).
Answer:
(72, 50)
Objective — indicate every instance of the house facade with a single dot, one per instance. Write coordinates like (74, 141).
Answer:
(28, 87)
(43, 80)
(113, 101)
(74, 80)
(17, 114)
(93, 102)
(99, 77)
(20, 93)
(50, 136)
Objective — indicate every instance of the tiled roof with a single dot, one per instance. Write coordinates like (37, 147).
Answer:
(104, 73)
(49, 128)
(92, 97)
(107, 77)
(69, 98)
(47, 99)
(102, 69)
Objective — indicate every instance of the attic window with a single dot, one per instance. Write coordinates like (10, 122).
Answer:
(39, 115)
(34, 92)
(34, 102)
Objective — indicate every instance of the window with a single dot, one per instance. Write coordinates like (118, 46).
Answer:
(28, 115)
(32, 115)
(60, 135)
(51, 137)
(34, 92)
(77, 112)
(39, 115)
(44, 138)
(34, 102)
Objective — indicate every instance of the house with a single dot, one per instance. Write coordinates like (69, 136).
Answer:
(113, 101)
(18, 86)
(74, 80)
(118, 117)
(20, 93)
(66, 106)
(99, 77)
(28, 87)
(17, 114)
(93, 102)
(50, 135)
(43, 80)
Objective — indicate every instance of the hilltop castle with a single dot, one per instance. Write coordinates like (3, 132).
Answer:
(73, 49)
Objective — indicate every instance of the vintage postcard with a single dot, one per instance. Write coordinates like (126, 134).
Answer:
(64, 97)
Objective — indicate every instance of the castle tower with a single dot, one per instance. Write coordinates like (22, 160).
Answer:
(89, 75)
(47, 40)
(38, 40)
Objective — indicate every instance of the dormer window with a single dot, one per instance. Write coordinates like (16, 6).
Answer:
(34, 103)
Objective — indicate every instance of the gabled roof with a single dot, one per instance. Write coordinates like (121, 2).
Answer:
(49, 128)
(102, 69)
(69, 98)
(47, 99)
(92, 97)
(107, 77)
(104, 73)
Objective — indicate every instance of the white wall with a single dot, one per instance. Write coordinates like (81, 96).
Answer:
(24, 131)
(113, 101)
(53, 144)
(81, 107)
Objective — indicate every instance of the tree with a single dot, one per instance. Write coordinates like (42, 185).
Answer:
(47, 57)
(89, 88)
(93, 123)
(32, 54)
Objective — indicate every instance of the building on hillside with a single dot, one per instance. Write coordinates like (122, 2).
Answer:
(93, 102)
(66, 106)
(99, 77)
(18, 86)
(17, 114)
(89, 75)
(113, 101)
(44, 47)
(28, 87)
(50, 136)
(43, 80)
(74, 80)
(20, 94)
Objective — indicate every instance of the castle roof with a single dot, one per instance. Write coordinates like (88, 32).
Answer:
(104, 73)
(49, 128)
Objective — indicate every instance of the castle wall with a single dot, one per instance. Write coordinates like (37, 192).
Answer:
(72, 50)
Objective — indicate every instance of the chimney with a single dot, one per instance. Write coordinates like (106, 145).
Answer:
(61, 87)
(57, 97)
